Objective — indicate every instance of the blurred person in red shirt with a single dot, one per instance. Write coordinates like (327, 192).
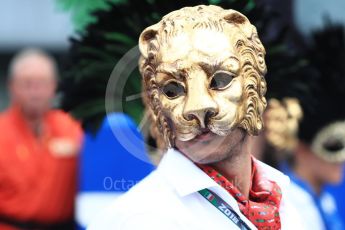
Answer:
(38, 149)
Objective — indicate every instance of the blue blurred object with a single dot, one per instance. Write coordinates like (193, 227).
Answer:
(338, 191)
(107, 168)
(324, 203)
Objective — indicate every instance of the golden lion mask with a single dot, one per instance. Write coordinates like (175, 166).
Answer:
(203, 67)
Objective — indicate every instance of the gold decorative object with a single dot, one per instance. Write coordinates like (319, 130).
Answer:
(203, 68)
(329, 142)
(281, 123)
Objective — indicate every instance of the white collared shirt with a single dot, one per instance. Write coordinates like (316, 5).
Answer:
(168, 199)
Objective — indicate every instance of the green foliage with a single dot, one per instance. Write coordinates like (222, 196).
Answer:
(81, 10)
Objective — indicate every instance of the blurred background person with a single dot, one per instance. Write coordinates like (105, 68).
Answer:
(319, 156)
(306, 135)
(309, 173)
(39, 148)
(106, 168)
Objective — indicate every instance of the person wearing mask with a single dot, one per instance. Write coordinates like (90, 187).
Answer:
(203, 73)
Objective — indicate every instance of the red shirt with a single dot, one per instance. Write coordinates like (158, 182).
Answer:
(37, 182)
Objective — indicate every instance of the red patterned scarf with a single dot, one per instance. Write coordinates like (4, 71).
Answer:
(262, 207)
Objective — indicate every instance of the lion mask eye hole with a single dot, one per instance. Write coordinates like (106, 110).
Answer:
(173, 89)
(333, 145)
(221, 80)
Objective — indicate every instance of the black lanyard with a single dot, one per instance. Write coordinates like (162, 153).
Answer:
(224, 208)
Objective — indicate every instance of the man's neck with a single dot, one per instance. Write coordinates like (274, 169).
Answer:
(237, 169)
(33, 122)
(303, 173)
(35, 125)
(302, 167)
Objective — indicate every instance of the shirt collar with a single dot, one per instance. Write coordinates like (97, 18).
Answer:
(187, 178)
(183, 174)
(274, 175)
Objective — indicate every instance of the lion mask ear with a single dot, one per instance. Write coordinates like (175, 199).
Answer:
(145, 37)
(236, 18)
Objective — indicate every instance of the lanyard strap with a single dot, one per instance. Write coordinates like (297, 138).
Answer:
(224, 208)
